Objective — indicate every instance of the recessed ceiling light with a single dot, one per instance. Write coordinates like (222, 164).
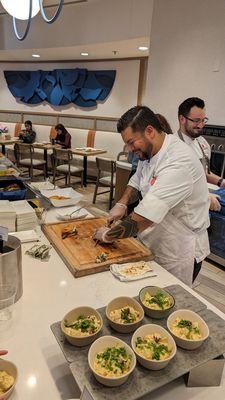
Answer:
(142, 48)
(84, 54)
(36, 55)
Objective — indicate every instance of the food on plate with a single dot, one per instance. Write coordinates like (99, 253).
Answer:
(82, 326)
(186, 329)
(10, 188)
(56, 197)
(125, 315)
(11, 171)
(159, 301)
(101, 257)
(6, 382)
(69, 231)
(153, 347)
(113, 362)
(134, 269)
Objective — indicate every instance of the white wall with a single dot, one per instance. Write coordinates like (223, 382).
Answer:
(122, 96)
(187, 57)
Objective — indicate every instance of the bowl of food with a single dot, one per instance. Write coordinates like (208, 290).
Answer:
(188, 329)
(81, 326)
(111, 360)
(124, 314)
(8, 378)
(156, 302)
(154, 346)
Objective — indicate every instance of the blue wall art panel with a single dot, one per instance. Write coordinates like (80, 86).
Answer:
(61, 86)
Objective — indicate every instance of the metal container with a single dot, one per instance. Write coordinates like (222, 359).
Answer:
(11, 265)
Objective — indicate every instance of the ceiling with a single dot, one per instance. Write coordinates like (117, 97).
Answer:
(51, 3)
(111, 47)
(124, 49)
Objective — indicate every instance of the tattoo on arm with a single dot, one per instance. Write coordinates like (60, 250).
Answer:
(131, 195)
(126, 228)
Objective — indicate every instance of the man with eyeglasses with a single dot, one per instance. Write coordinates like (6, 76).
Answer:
(192, 119)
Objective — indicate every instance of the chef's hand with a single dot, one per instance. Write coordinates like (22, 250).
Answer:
(214, 202)
(3, 352)
(101, 235)
(116, 213)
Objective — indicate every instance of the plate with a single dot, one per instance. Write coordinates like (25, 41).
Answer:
(72, 197)
(26, 236)
(45, 185)
(64, 215)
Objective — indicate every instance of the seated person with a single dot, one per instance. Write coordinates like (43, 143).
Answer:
(63, 137)
(27, 135)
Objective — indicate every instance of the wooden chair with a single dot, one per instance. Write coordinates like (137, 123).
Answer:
(62, 165)
(24, 155)
(106, 165)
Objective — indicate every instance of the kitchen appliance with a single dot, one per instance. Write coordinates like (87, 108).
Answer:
(215, 136)
(11, 265)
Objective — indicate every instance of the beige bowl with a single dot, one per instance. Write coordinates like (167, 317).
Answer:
(72, 316)
(146, 330)
(101, 344)
(158, 314)
(11, 369)
(120, 302)
(193, 317)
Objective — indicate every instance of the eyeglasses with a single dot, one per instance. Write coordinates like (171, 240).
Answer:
(198, 120)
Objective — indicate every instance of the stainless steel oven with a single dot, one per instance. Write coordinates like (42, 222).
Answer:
(215, 136)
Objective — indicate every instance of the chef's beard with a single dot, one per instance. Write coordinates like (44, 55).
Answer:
(193, 134)
(145, 155)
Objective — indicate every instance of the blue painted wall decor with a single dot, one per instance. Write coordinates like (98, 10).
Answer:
(61, 86)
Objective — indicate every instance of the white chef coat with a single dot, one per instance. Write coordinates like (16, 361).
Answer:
(173, 184)
(196, 143)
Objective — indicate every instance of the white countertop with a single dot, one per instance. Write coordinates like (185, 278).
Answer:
(50, 291)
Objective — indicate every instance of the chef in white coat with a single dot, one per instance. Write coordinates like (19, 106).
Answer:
(172, 218)
(192, 119)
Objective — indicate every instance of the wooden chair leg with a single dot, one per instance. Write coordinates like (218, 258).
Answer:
(110, 197)
(65, 179)
(96, 190)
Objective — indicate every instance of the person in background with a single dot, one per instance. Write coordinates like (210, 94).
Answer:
(27, 135)
(63, 136)
(172, 218)
(192, 119)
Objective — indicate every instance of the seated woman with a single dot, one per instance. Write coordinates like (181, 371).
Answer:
(63, 136)
(27, 135)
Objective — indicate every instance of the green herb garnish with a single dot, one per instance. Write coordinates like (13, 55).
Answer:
(127, 316)
(114, 358)
(160, 299)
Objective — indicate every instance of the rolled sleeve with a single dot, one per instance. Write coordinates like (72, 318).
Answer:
(173, 185)
(152, 208)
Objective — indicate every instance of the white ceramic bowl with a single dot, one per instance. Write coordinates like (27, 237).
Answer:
(101, 344)
(72, 316)
(120, 302)
(152, 290)
(150, 329)
(193, 317)
(11, 369)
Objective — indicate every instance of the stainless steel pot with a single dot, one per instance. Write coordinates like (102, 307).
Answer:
(11, 265)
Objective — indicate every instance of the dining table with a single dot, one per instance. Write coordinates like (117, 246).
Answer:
(4, 142)
(85, 153)
(46, 146)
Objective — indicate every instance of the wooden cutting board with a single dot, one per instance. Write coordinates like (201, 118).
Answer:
(79, 252)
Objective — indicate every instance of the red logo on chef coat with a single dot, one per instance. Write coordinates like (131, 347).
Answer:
(152, 180)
